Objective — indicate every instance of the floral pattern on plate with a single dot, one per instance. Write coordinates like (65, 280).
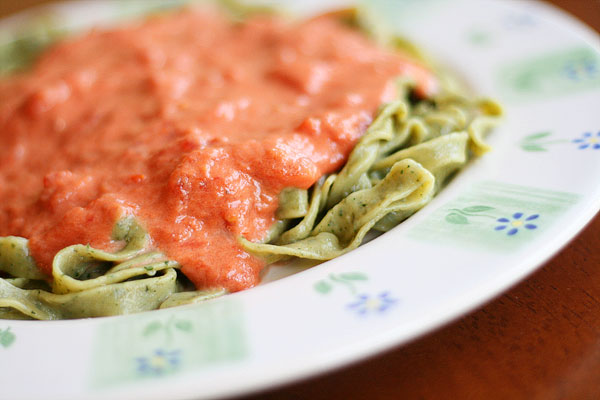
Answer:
(552, 74)
(360, 303)
(477, 216)
(538, 142)
(588, 141)
(159, 344)
(515, 222)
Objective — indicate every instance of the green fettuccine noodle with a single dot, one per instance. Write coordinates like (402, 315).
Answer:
(406, 155)
(91, 283)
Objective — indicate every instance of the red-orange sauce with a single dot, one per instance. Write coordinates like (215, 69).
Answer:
(189, 122)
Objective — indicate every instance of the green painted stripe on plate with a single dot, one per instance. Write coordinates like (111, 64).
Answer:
(156, 345)
(552, 74)
(494, 216)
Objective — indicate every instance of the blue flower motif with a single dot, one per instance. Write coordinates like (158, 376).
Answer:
(159, 363)
(581, 70)
(516, 223)
(588, 140)
(367, 304)
(516, 21)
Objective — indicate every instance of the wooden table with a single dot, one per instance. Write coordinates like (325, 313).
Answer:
(541, 340)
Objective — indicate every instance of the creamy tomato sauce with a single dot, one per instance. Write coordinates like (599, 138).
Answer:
(189, 122)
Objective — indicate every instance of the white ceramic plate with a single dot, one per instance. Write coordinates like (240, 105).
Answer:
(503, 216)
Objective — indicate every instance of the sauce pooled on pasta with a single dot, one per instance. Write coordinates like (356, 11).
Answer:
(190, 122)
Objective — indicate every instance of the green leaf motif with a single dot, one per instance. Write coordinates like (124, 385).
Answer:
(152, 328)
(476, 209)
(457, 219)
(536, 136)
(532, 147)
(353, 276)
(322, 287)
(184, 325)
(6, 338)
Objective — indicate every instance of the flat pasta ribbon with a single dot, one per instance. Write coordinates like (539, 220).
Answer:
(406, 155)
(92, 283)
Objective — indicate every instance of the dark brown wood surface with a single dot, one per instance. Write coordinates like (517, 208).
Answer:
(540, 340)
